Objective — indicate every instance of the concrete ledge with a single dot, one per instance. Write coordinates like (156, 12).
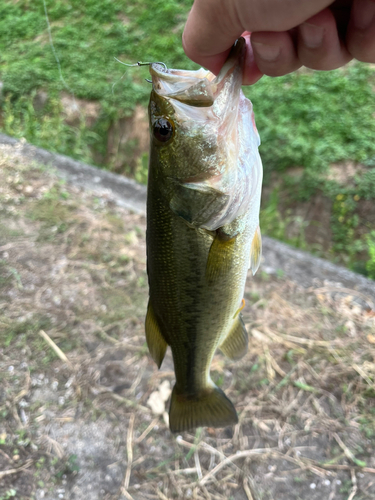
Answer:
(126, 192)
(297, 265)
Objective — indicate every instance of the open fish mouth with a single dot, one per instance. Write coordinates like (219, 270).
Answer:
(214, 117)
(201, 88)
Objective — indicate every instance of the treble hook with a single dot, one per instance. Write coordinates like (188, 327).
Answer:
(140, 63)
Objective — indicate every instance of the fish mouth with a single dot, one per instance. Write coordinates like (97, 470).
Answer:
(201, 88)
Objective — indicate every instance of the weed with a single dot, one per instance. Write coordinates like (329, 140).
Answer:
(370, 265)
(300, 389)
(72, 464)
(141, 171)
(280, 273)
(218, 378)
(53, 211)
(11, 331)
(8, 233)
(352, 240)
(22, 438)
(6, 277)
(277, 225)
(346, 486)
(26, 333)
(367, 427)
(11, 493)
(253, 296)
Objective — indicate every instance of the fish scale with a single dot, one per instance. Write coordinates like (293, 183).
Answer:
(202, 230)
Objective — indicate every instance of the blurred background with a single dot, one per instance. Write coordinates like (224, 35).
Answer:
(62, 89)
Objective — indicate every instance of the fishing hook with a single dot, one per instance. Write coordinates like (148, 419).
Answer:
(140, 63)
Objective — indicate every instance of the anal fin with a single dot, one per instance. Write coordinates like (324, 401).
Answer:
(235, 344)
(155, 340)
(256, 251)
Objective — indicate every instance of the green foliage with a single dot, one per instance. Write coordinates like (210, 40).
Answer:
(370, 265)
(276, 224)
(11, 493)
(350, 233)
(72, 464)
(353, 238)
(87, 36)
(141, 172)
(366, 185)
(47, 130)
(344, 220)
(313, 119)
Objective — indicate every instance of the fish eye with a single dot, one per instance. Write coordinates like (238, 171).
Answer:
(163, 130)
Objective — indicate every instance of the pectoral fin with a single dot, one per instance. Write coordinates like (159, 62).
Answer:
(235, 344)
(220, 256)
(256, 251)
(197, 203)
(155, 340)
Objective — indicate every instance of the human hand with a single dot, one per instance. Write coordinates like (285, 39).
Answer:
(285, 34)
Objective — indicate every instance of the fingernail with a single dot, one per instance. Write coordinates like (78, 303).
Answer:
(312, 35)
(363, 14)
(266, 52)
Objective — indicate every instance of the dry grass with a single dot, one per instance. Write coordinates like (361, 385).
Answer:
(75, 376)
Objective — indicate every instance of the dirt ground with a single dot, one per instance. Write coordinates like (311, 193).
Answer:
(83, 407)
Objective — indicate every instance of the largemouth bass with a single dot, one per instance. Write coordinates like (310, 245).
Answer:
(203, 199)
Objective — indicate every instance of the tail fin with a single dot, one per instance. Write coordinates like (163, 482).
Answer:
(210, 408)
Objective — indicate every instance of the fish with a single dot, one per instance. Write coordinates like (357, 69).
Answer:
(203, 201)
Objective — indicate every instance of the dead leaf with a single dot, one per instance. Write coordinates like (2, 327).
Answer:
(157, 399)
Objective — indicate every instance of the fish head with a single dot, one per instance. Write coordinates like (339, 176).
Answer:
(182, 135)
(192, 114)
(201, 129)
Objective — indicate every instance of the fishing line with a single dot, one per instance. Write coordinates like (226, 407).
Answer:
(57, 57)
(114, 85)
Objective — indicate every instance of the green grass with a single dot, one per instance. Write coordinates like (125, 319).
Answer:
(87, 36)
(21, 331)
(8, 233)
(314, 119)
(6, 277)
(307, 119)
(25, 333)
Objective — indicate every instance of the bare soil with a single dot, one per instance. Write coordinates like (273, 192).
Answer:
(76, 378)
